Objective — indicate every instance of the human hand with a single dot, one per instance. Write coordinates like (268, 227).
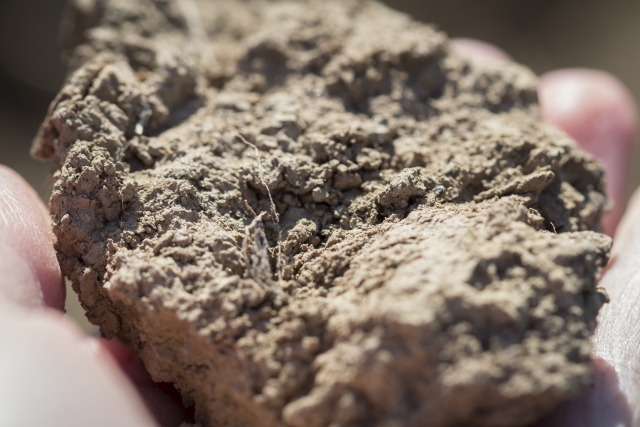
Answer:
(52, 375)
(599, 113)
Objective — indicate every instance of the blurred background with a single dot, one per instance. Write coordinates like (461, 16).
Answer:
(543, 34)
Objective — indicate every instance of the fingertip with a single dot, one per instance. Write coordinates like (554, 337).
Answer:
(589, 105)
(476, 50)
(28, 263)
(598, 111)
(585, 101)
(52, 374)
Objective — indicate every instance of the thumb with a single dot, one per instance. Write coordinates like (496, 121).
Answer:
(53, 376)
(49, 374)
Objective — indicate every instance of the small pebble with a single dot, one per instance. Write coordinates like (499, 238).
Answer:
(440, 190)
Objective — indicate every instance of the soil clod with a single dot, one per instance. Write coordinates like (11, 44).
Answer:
(313, 214)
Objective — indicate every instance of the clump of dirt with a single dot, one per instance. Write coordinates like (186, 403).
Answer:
(312, 213)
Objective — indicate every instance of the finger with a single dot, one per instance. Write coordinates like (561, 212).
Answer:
(596, 110)
(617, 339)
(478, 51)
(44, 362)
(28, 264)
(52, 376)
(162, 399)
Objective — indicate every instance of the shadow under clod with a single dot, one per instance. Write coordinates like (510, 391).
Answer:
(601, 404)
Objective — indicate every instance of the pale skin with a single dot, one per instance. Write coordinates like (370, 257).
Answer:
(53, 375)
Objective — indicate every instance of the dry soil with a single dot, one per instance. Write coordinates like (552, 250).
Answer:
(313, 214)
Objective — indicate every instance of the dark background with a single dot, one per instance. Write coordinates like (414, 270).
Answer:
(543, 34)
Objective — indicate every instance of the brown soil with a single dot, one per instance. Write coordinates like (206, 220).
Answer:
(312, 214)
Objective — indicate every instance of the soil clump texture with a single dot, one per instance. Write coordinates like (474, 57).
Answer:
(313, 214)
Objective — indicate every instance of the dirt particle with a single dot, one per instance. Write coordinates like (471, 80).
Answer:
(440, 190)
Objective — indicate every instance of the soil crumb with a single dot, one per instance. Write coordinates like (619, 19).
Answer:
(313, 214)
